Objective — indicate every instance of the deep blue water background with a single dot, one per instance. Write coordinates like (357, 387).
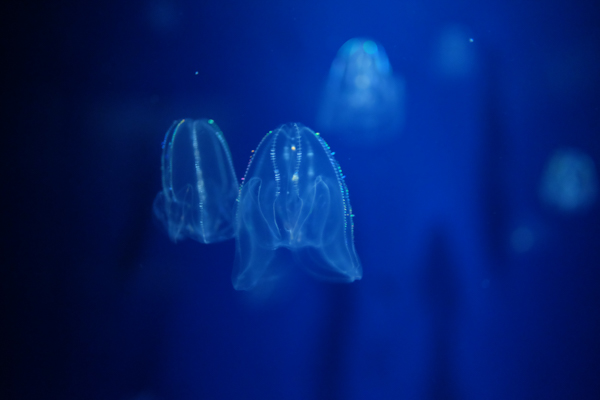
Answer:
(101, 305)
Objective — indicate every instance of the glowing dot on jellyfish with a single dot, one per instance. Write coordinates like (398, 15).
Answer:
(293, 148)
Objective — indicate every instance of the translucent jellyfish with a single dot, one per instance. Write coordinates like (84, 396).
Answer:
(294, 196)
(362, 101)
(199, 183)
(570, 182)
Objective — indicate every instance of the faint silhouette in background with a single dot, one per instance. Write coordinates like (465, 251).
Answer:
(363, 101)
(570, 182)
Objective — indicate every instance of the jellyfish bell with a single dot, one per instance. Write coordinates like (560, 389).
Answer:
(360, 60)
(363, 101)
(294, 197)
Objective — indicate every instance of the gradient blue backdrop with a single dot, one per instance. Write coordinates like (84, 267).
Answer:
(101, 305)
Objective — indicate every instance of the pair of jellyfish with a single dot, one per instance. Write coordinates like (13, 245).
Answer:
(293, 194)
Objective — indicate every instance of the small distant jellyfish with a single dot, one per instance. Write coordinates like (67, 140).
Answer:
(570, 182)
(363, 102)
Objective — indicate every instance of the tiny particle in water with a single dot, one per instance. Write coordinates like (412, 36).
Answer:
(471, 40)
(196, 73)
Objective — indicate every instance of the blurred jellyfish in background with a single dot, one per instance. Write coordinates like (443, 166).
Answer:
(570, 182)
(362, 101)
